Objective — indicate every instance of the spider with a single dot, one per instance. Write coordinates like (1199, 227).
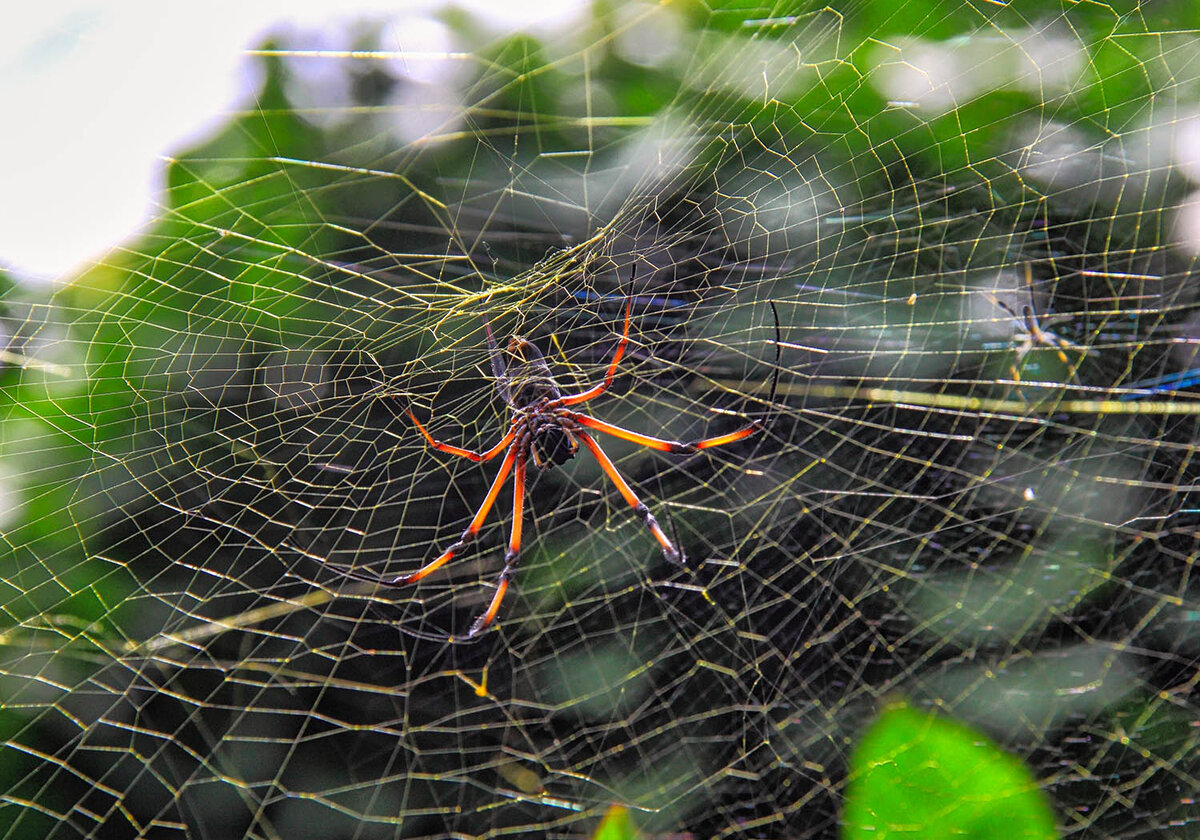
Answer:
(545, 427)
(1031, 331)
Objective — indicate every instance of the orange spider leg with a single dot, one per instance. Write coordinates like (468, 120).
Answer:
(458, 450)
(731, 437)
(597, 390)
(661, 444)
(1037, 335)
(467, 535)
(1055, 343)
(510, 557)
(610, 469)
(674, 446)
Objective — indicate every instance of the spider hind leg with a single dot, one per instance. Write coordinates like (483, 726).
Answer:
(669, 550)
(510, 556)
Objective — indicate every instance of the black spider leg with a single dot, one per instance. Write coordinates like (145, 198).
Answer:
(680, 558)
(499, 369)
(766, 419)
(762, 425)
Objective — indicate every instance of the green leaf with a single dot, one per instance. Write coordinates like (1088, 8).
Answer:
(918, 775)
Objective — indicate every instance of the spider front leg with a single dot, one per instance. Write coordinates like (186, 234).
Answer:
(662, 445)
(469, 454)
(597, 390)
(469, 534)
(514, 549)
(669, 550)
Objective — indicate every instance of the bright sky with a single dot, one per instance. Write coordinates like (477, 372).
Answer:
(97, 92)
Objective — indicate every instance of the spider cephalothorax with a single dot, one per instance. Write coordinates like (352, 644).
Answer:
(543, 427)
(530, 379)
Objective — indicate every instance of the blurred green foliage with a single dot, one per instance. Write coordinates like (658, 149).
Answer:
(617, 824)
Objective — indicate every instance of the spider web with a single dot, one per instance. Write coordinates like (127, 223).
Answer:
(977, 225)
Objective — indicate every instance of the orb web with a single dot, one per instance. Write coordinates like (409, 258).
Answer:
(975, 489)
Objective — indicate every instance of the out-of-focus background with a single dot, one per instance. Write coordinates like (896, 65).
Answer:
(943, 250)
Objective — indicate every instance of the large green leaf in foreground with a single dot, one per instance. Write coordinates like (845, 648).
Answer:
(917, 775)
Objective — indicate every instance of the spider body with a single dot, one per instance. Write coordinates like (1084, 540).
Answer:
(531, 392)
(1031, 331)
(552, 443)
(530, 382)
(544, 428)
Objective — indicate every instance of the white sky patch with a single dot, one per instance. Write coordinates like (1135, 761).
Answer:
(649, 36)
(1187, 224)
(938, 75)
(1178, 140)
(96, 94)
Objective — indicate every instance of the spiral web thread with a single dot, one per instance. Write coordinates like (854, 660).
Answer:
(986, 509)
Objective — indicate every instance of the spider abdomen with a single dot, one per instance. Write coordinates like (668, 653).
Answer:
(552, 445)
